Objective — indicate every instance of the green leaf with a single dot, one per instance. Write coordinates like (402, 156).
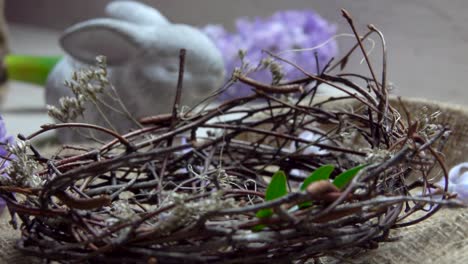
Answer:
(322, 173)
(258, 227)
(264, 213)
(278, 187)
(345, 177)
(305, 205)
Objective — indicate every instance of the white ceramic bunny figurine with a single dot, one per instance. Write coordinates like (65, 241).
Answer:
(142, 49)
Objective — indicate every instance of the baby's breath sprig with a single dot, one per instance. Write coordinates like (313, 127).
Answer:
(86, 85)
(184, 212)
(90, 86)
(22, 170)
(276, 73)
(91, 81)
(70, 108)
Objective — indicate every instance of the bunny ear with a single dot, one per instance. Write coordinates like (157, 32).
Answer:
(135, 12)
(119, 41)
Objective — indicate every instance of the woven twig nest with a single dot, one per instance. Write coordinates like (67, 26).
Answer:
(187, 187)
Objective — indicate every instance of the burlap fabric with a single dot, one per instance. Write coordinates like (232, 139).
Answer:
(8, 238)
(442, 238)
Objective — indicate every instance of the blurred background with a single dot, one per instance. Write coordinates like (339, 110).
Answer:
(427, 39)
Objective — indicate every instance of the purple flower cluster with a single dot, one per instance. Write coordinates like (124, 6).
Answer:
(283, 31)
(4, 140)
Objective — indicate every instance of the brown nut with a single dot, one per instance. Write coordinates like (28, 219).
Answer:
(318, 190)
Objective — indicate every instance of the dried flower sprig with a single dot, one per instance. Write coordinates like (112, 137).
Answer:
(23, 169)
(86, 85)
(91, 86)
(70, 108)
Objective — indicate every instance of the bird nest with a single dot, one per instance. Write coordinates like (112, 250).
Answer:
(230, 183)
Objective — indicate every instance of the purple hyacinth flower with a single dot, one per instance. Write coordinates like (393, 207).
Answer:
(4, 140)
(283, 31)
